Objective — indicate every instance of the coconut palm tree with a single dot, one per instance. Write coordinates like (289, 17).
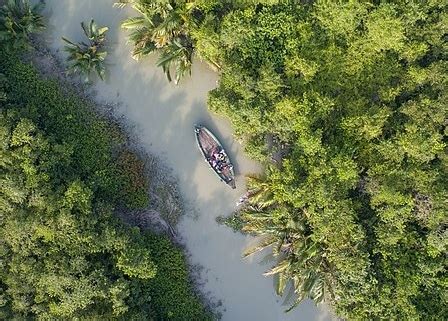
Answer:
(158, 25)
(260, 191)
(18, 20)
(303, 264)
(299, 258)
(163, 27)
(85, 58)
(141, 30)
(177, 55)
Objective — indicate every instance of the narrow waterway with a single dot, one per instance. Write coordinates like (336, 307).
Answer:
(162, 116)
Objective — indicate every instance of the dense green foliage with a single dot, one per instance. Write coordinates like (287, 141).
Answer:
(85, 58)
(18, 20)
(64, 254)
(350, 100)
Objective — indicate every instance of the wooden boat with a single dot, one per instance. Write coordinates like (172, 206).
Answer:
(215, 155)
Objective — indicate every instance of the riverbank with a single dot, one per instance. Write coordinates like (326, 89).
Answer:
(165, 208)
(78, 258)
(162, 116)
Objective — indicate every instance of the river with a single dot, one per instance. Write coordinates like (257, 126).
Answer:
(162, 116)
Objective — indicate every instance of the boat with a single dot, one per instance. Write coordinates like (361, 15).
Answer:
(215, 155)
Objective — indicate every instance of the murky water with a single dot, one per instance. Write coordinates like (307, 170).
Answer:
(163, 116)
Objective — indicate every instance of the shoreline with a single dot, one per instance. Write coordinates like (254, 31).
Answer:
(51, 67)
(162, 116)
(152, 218)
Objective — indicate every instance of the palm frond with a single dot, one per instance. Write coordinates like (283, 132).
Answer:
(280, 281)
(122, 3)
(260, 245)
(280, 267)
(86, 29)
(70, 43)
(133, 23)
(19, 20)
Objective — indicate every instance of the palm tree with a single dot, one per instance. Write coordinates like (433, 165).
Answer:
(96, 35)
(141, 32)
(260, 190)
(178, 55)
(18, 20)
(301, 262)
(299, 258)
(163, 26)
(85, 58)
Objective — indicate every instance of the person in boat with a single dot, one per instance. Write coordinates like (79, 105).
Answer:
(221, 156)
(219, 167)
(228, 166)
(218, 160)
(218, 155)
(216, 163)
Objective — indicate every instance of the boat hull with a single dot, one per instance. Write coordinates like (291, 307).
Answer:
(209, 146)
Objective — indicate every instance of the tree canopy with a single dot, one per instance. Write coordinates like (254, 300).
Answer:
(63, 252)
(85, 58)
(344, 102)
(349, 101)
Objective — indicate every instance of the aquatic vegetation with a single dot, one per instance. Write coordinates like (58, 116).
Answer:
(234, 221)
(18, 21)
(136, 183)
(85, 58)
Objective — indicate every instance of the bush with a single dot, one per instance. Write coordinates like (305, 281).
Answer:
(132, 169)
(63, 252)
(171, 291)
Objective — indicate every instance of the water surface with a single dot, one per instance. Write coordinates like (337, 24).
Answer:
(163, 116)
